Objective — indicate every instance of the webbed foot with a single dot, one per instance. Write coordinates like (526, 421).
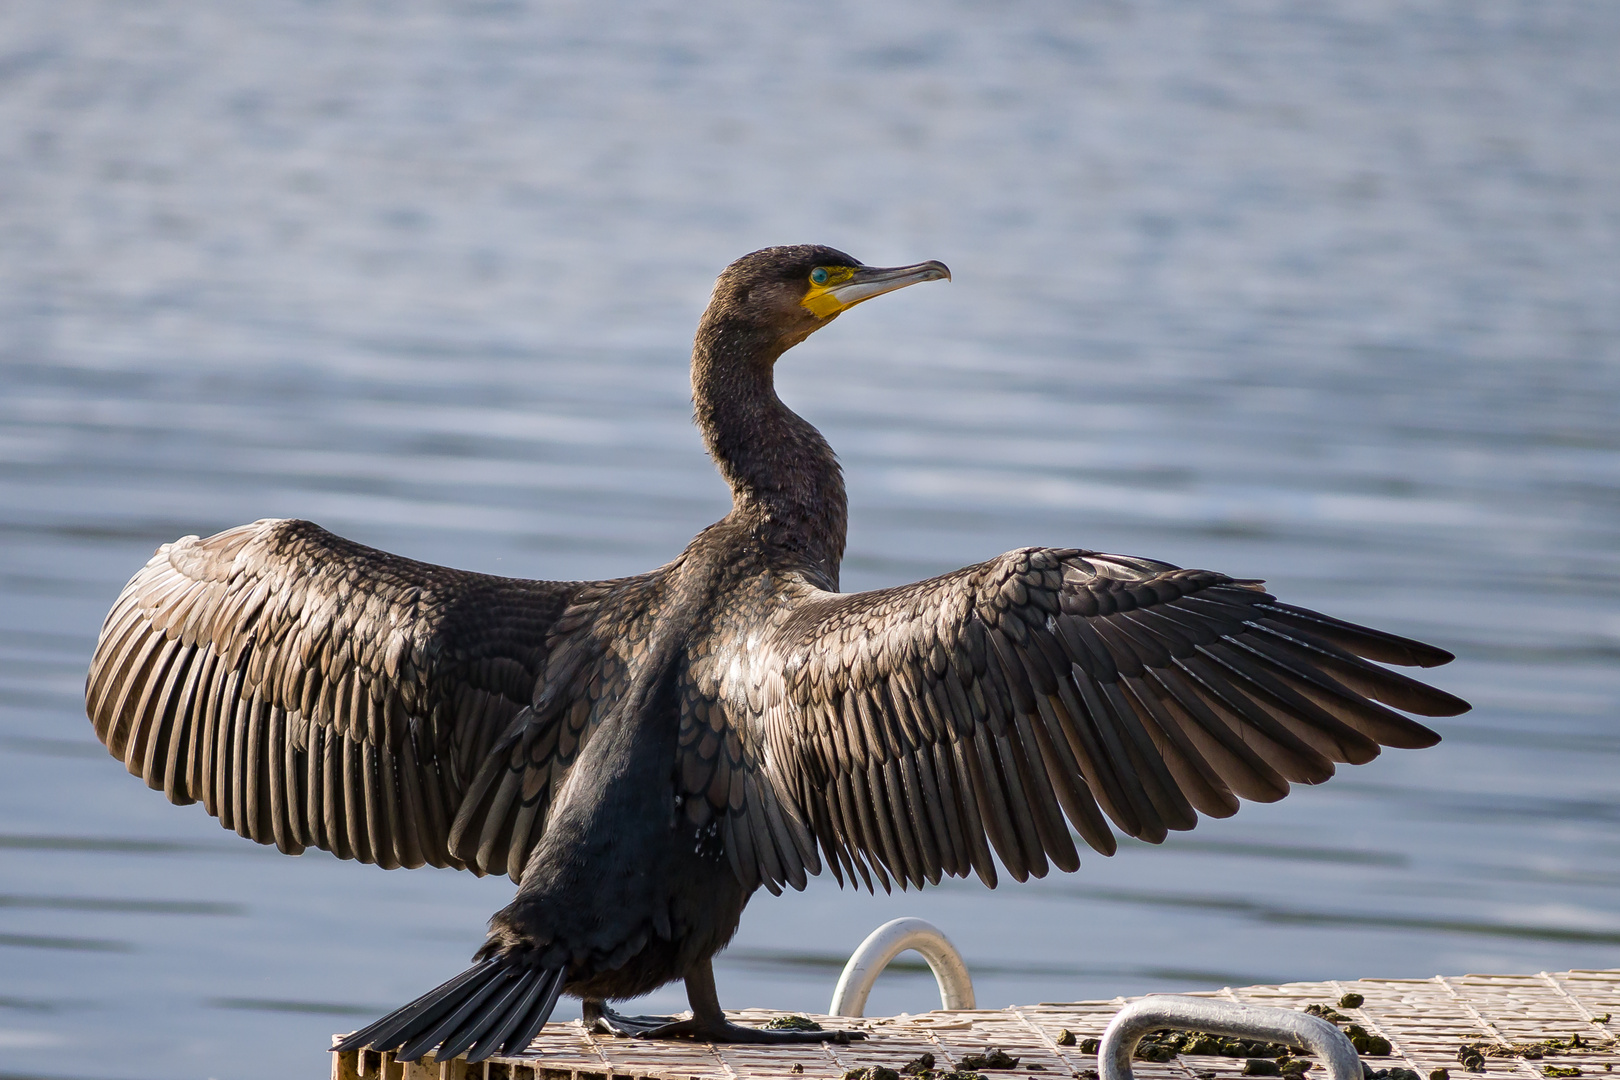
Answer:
(724, 1031)
(605, 1021)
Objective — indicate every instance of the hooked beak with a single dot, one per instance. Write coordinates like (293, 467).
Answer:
(869, 281)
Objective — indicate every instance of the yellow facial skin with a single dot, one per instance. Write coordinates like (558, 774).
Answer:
(820, 299)
(833, 289)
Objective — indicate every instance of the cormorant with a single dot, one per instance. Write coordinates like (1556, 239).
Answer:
(642, 754)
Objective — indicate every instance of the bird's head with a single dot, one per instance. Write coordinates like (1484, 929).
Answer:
(791, 292)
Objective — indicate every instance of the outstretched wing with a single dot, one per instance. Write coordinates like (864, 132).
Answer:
(312, 691)
(908, 726)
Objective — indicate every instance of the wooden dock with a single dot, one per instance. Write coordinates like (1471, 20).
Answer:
(1426, 1022)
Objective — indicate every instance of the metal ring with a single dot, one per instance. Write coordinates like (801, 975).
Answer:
(884, 944)
(1220, 1017)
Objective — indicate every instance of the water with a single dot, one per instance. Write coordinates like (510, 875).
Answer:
(1324, 293)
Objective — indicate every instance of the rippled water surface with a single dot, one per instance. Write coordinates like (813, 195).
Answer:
(1323, 293)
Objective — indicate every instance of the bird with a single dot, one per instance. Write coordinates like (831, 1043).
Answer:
(642, 755)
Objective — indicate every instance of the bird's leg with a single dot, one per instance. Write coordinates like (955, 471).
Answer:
(707, 1023)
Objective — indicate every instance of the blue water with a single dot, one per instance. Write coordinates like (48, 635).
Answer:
(1327, 294)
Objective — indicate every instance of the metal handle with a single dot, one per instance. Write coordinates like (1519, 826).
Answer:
(884, 944)
(1220, 1017)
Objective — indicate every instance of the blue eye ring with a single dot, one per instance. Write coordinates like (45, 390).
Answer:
(819, 275)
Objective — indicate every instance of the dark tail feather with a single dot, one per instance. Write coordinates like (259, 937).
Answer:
(392, 1030)
(515, 996)
(491, 1007)
(526, 1025)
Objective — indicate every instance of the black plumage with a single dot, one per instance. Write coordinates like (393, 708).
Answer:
(642, 754)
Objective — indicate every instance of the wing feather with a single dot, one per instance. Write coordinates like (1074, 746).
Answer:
(922, 813)
(840, 825)
(353, 793)
(941, 796)
(179, 745)
(770, 862)
(1198, 780)
(333, 803)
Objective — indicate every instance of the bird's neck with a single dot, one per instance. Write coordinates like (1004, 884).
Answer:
(786, 485)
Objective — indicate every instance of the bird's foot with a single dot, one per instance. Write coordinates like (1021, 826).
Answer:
(724, 1031)
(605, 1021)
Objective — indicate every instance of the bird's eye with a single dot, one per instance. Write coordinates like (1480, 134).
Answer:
(819, 275)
